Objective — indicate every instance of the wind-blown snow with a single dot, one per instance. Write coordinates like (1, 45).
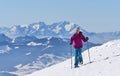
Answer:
(105, 62)
(69, 26)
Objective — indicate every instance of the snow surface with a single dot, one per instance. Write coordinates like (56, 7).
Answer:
(4, 49)
(18, 66)
(28, 53)
(33, 44)
(13, 29)
(36, 27)
(24, 26)
(105, 62)
(16, 47)
(13, 41)
(57, 29)
(49, 38)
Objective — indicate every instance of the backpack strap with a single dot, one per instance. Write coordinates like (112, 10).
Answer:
(75, 35)
(79, 34)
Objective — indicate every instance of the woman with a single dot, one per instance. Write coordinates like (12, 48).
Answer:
(77, 39)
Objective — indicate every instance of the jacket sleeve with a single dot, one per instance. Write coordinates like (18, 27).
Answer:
(83, 37)
(72, 38)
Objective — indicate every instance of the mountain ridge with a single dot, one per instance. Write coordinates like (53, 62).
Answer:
(59, 29)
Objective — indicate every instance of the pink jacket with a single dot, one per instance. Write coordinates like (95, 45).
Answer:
(77, 39)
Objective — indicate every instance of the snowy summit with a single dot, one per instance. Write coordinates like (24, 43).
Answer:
(105, 62)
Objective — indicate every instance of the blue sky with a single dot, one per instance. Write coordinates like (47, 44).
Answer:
(92, 15)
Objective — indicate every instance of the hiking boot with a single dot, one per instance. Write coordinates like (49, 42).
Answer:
(81, 61)
(76, 66)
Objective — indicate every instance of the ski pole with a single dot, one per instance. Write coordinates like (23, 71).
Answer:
(88, 52)
(71, 55)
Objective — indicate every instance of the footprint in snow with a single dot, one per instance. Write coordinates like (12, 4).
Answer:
(106, 58)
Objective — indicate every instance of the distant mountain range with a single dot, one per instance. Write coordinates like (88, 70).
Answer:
(60, 29)
(27, 54)
(4, 40)
(27, 48)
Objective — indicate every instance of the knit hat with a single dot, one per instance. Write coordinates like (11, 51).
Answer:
(78, 28)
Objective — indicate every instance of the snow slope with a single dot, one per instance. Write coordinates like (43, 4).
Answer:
(105, 62)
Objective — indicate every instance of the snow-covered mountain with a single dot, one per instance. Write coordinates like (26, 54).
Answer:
(24, 40)
(27, 54)
(4, 29)
(103, 37)
(36, 46)
(59, 29)
(105, 62)
(4, 39)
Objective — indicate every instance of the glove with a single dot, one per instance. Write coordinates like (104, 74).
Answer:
(70, 43)
(87, 38)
